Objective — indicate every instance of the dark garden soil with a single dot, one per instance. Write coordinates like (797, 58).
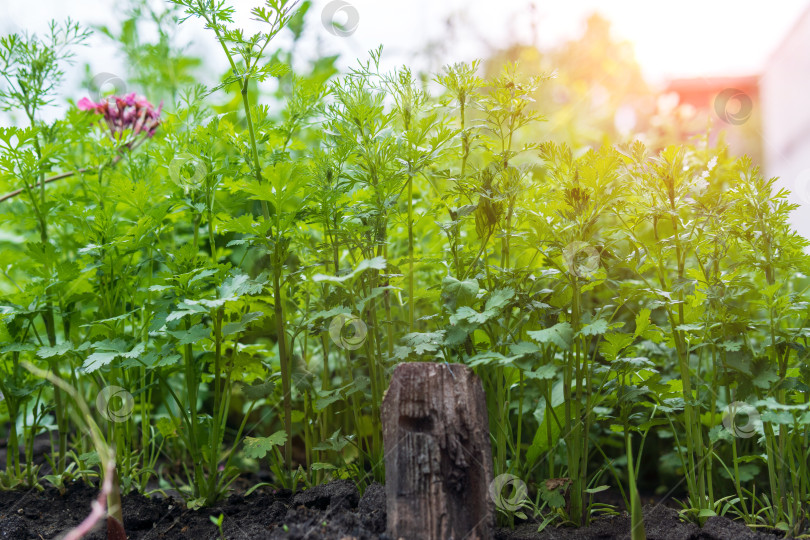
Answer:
(331, 511)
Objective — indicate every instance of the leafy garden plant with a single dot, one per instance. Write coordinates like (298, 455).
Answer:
(230, 278)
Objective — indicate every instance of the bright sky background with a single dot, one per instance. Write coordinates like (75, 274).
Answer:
(672, 39)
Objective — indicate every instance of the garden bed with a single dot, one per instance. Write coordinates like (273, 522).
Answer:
(208, 273)
(330, 511)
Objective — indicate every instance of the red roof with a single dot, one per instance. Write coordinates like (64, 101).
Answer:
(700, 92)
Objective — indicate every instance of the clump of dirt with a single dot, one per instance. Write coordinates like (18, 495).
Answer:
(333, 511)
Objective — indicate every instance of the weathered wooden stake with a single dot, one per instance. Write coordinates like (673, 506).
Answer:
(438, 459)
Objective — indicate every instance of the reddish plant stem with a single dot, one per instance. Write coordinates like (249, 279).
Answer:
(68, 174)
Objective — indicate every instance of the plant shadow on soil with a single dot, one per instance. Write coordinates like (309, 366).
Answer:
(330, 511)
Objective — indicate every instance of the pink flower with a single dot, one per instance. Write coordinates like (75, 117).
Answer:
(130, 112)
(86, 105)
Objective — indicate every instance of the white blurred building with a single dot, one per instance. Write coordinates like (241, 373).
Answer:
(785, 99)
